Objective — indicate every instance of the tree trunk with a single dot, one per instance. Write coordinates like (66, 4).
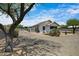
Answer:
(9, 35)
(74, 29)
(8, 39)
(9, 43)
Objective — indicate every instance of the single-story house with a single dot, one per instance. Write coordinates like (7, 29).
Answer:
(43, 27)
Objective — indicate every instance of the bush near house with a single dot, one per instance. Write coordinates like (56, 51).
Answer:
(26, 28)
(54, 32)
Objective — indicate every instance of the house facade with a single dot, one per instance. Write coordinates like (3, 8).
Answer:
(43, 27)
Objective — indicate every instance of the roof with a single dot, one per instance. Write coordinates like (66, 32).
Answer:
(54, 24)
(51, 23)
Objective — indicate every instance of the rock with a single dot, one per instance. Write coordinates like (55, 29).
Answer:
(24, 53)
(19, 52)
(7, 54)
(8, 49)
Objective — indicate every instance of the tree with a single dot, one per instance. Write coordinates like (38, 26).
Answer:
(63, 26)
(73, 23)
(16, 11)
(20, 26)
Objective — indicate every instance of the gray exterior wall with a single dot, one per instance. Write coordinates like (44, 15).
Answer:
(47, 28)
(40, 27)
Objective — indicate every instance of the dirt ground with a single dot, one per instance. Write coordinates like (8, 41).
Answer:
(37, 44)
(69, 43)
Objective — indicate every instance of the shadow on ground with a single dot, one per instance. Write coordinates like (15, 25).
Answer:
(38, 47)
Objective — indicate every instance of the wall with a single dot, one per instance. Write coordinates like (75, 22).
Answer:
(47, 28)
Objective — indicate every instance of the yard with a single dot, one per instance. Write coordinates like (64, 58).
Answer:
(36, 44)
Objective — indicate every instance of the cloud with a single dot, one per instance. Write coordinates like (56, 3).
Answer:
(42, 16)
(5, 20)
(61, 23)
(60, 15)
(73, 11)
(35, 21)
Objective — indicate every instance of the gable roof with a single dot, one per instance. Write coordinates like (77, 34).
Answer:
(51, 23)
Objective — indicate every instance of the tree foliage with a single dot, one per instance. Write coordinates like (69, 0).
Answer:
(73, 22)
(64, 26)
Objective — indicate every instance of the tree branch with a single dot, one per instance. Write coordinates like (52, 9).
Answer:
(9, 12)
(17, 16)
(22, 14)
(27, 10)
(13, 18)
(2, 28)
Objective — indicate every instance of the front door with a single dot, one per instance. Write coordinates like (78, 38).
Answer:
(43, 29)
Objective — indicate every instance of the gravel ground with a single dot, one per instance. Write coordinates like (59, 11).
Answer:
(37, 44)
(68, 43)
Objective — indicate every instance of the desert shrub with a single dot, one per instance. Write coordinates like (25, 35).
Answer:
(16, 33)
(54, 32)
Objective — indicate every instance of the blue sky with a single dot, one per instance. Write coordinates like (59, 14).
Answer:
(58, 12)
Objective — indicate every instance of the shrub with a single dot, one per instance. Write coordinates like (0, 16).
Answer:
(16, 33)
(54, 32)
